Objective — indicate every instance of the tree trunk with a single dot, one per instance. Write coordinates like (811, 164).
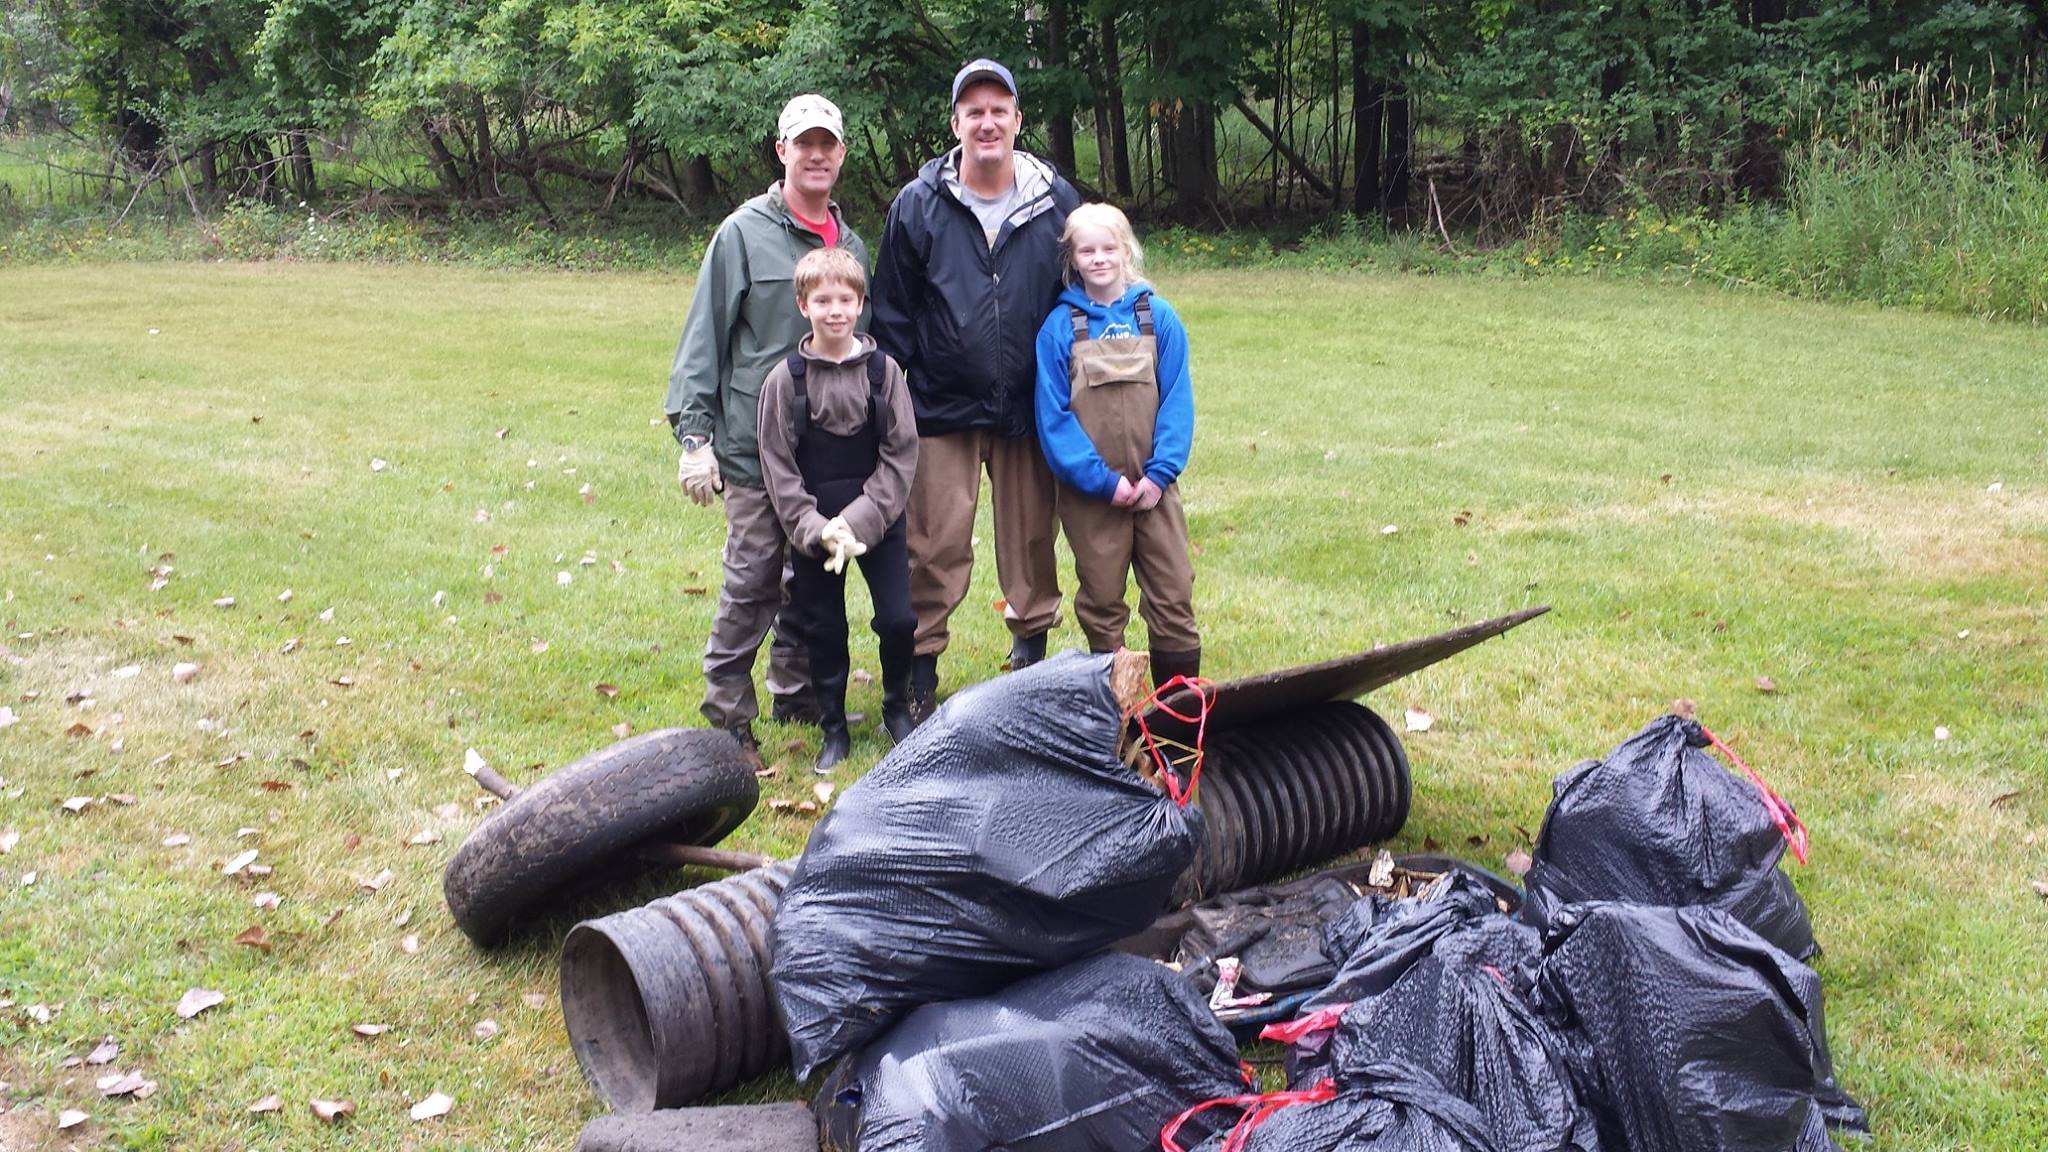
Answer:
(1059, 129)
(1187, 152)
(700, 184)
(486, 158)
(1400, 148)
(444, 160)
(302, 166)
(209, 168)
(1113, 100)
(1368, 111)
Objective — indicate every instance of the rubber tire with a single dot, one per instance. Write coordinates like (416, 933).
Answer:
(683, 785)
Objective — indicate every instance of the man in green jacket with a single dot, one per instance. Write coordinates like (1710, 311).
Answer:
(743, 321)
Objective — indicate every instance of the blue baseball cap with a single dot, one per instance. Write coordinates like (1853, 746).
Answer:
(976, 71)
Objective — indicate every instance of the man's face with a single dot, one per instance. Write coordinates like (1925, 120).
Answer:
(985, 121)
(832, 309)
(810, 163)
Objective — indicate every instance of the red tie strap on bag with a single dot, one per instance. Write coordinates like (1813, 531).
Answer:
(1173, 758)
(1788, 822)
(1257, 1107)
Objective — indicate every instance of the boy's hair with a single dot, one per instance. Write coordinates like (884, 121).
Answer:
(824, 266)
(1112, 220)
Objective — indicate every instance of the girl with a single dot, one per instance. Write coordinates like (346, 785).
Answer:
(1116, 414)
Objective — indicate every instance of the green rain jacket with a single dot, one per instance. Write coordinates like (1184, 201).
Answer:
(743, 321)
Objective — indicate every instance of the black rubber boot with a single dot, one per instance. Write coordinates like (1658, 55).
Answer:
(1167, 665)
(1026, 651)
(896, 664)
(836, 743)
(924, 688)
(796, 708)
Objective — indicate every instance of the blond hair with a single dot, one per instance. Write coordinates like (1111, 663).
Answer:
(1112, 220)
(824, 266)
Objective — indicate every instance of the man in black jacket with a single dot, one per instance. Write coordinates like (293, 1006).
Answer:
(969, 267)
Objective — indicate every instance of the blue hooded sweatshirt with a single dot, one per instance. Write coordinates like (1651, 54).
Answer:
(1068, 449)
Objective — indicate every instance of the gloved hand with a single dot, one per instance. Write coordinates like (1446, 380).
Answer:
(1148, 495)
(1126, 493)
(840, 544)
(697, 472)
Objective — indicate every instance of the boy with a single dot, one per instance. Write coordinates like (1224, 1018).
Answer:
(838, 442)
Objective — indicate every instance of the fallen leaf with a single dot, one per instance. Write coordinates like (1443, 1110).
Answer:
(1766, 685)
(267, 900)
(290, 646)
(409, 944)
(534, 1000)
(1462, 519)
(254, 937)
(78, 729)
(485, 1029)
(332, 917)
(7, 718)
(622, 729)
(402, 919)
(1940, 733)
(275, 786)
(369, 1029)
(608, 691)
(1389, 529)
(778, 804)
(435, 1105)
(124, 799)
(28, 879)
(823, 791)
(377, 464)
(197, 1000)
(2040, 888)
(694, 591)
(376, 883)
(238, 862)
(126, 1084)
(267, 1104)
(127, 672)
(1420, 720)
(40, 1013)
(564, 578)
(423, 838)
(105, 1053)
(284, 597)
(448, 811)
(260, 869)
(76, 803)
(342, 641)
(1518, 862)
(807, 807)
(440, 598)
(538, 647)
(500, 433)
(224, 602)
(393, 773)
(70, 1118)
(177, 840)
(332, 1110)
(327, 614)
(8, 840)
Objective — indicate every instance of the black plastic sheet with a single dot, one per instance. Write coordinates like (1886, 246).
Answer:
(1096, 1055)
(1003, 839)
(1376, 1108)
(1662, 822)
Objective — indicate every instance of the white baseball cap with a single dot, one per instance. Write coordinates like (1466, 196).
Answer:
(809, 111)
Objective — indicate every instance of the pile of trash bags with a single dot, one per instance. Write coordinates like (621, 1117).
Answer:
(948, 940)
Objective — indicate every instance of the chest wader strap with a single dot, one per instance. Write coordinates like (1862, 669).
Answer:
(878, 396)
(1144, 307)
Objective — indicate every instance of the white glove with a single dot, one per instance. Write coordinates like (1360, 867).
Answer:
(697, 472)
(840, 545)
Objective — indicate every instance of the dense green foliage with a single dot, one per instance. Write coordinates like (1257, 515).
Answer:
(1488, 112)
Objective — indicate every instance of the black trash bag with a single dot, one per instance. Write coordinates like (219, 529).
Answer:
(1465, 1022)
(1004, 838)
(1662, 822)
(1497, 944)
(1688, 1032)
(1378, 940)
(1376, 1108)
(1276, 939)
(1099, 1054)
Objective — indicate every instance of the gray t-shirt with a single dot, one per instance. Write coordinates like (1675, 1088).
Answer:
(993, 211)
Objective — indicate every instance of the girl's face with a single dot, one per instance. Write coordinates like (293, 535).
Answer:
(1099, 259)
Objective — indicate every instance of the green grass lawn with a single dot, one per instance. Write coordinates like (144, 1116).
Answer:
(1709, 488)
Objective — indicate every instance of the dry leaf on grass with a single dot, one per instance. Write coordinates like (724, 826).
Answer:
(402, 919)
(622, 729)
(79, 729)
(485, 1029)
(331, 1110)
(8, 840)
(254, 937)
(422, 838)
(409, 944)
(224, 602)
(105, 1053)
(1420, 720)
(436, 1105)
(126, 1084)
(1940, 733)
(70, 1118)
(473, 762)
(369, 1029)
(267, 1104)
(127, 672)
(823, 791)
(76, 803)
(197, 1000)
(238, 862)
(607, 690)
(7, 718)
(376, 883)
(1518, 862)
(268, 900)
(2040, 888)
(534, 1000)
(284, 597)
(1766, 685)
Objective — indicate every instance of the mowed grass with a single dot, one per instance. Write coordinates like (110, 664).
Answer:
(1708, 488)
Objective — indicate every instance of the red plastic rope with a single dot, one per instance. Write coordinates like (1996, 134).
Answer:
(1289, 1031)
(1257, 1107)
(1789, 824)
(1158, 747)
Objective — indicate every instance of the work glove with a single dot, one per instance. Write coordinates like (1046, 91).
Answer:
(1126, 493)
(1147, 496)
(840, 545)
(697, 472)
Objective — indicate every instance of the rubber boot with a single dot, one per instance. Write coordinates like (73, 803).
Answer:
(1167, 665)
(835, 743)
(795, 708)
(744, 733)
(896, 665)
(924, 688)
(1026, 651)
